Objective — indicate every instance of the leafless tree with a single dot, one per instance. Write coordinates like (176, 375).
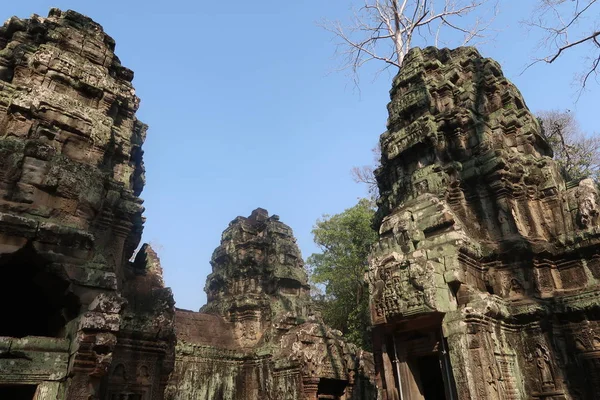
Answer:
(366, 174)
(577, 154)
(566, 24)
(385, 30)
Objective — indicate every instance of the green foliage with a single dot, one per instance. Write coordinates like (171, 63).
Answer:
(345, 240)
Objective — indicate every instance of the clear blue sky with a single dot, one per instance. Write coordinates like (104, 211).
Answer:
(244, 113)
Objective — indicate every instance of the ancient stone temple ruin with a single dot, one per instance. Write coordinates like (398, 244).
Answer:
(258, 336)
(485, 281)
(77, 314)
(81, 318)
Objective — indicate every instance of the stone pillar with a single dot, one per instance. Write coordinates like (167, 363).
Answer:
(94, 345)
(48, 391)
(454, 329)
(310, 387)
(388, 374)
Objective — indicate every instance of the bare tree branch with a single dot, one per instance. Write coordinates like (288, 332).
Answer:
(558, 20)
(366, 174)
(552, 58)
(384, 30)
(577, 154)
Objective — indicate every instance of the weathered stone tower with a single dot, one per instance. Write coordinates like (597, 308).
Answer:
(81, 321)
(485, 281)
(257, 337)
(77, 314)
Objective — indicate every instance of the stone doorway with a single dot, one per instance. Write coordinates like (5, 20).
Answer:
(423, 366)
(17, 392)
(414, 363)
(38, 294)
(331, 389)
(430, 377)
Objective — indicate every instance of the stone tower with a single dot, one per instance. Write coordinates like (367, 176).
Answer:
(79, 320)
(485, 280)
(258, 279)
(258, 337)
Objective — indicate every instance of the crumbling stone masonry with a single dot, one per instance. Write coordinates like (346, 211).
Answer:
(258, 337)
(485, 281)
(79, 320)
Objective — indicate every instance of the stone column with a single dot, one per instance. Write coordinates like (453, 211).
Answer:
(48, 391)
(455, 330)
(310, 387)
(388, 374)
(93, 346)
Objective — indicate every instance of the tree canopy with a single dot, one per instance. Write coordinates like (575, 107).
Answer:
(345, 240)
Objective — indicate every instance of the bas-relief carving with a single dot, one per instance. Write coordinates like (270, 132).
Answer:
(542, 361)
(476, 224)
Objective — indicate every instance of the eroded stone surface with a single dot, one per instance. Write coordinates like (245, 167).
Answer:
(71, 171)
(258, 337)
(484, 283)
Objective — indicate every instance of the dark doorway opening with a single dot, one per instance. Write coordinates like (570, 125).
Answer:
(17, 392)
(35, 295)
(331, 389)
(430, 374)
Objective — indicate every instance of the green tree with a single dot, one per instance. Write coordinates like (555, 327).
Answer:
(345, 240)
